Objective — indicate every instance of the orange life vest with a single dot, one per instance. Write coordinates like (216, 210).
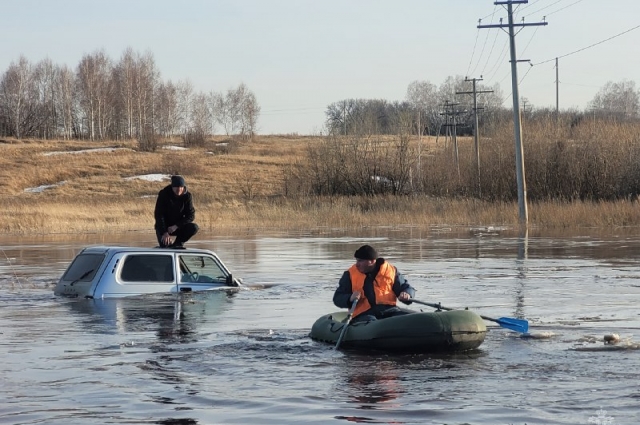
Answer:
(382, 287)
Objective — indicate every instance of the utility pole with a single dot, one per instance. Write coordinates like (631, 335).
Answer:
(475, 94)
(557, 92)
(344, 116)
(524, 106)
(523, 214)
(419, 170)
(449, 111)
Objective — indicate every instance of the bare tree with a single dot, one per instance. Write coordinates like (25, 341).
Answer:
(65, 101)
(492, 100)
(137, 81)
(146, 84)
(167, 118)
(200, 115)
(402, 158)
(44, 79)
(231, 111)
(184, 95)
(94, 90)
(19, 98)
(620, 98)
(100, 99)
(422, 95)
(218, 107)
(250, 113)
(237, 111)
(125, 72)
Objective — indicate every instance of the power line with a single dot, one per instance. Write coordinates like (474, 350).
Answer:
(495, 8)
(556, 11)
(531, 4)
(492, 13)
(588, 47)
(490, 52)
(546, 7)
(525, 74)
(530, 40)
(495, 68)
(473, 52)
(567, 54)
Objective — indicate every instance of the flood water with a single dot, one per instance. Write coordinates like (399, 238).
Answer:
(246, 358)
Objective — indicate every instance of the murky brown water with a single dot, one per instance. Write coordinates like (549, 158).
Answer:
(247, 359)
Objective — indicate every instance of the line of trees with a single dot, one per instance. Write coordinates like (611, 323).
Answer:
(425, 103)
(594, 159)
(587, 155)
(106, 99)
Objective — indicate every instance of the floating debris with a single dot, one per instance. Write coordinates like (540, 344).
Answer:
(538, 335)
(611, 342)
(611, 339)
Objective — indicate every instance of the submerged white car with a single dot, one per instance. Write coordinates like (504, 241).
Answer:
(114, 272)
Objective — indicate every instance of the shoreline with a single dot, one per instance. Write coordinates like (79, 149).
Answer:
(242, 188)
(339, 215)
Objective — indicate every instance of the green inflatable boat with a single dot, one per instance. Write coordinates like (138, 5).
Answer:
(417, 332)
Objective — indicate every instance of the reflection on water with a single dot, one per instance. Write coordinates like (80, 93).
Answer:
(368, 386)
(246, 358)
(35, 261)
(175, 318)
(521, 267)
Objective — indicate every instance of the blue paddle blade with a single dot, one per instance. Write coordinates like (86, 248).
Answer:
(517, 325)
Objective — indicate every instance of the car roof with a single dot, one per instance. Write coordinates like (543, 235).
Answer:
(103, 249)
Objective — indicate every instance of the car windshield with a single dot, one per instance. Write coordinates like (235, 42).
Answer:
(83, 268)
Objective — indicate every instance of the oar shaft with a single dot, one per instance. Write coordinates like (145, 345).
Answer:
(346, 323)
(441, 307)
(518, 325)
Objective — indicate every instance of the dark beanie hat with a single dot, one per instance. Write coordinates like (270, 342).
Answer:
(366, 252)
(177, 181)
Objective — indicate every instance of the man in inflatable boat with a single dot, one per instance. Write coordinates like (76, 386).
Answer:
(376, 285)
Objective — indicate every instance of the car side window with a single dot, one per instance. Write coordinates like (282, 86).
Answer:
(200, 268)
(147, 268)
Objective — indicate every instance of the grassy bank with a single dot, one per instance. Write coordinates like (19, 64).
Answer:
(236, 186)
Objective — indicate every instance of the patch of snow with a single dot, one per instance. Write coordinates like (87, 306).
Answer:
(44, 187)
(84, 151)
(150, 177)
(174, 148)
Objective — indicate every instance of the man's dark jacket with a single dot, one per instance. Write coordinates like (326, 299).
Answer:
(173, 210)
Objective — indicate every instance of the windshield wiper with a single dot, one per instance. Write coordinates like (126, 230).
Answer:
(85, 274)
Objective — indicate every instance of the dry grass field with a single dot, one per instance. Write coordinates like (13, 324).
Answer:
(96, 187)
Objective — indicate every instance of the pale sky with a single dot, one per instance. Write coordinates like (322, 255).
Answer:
(299, 56)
